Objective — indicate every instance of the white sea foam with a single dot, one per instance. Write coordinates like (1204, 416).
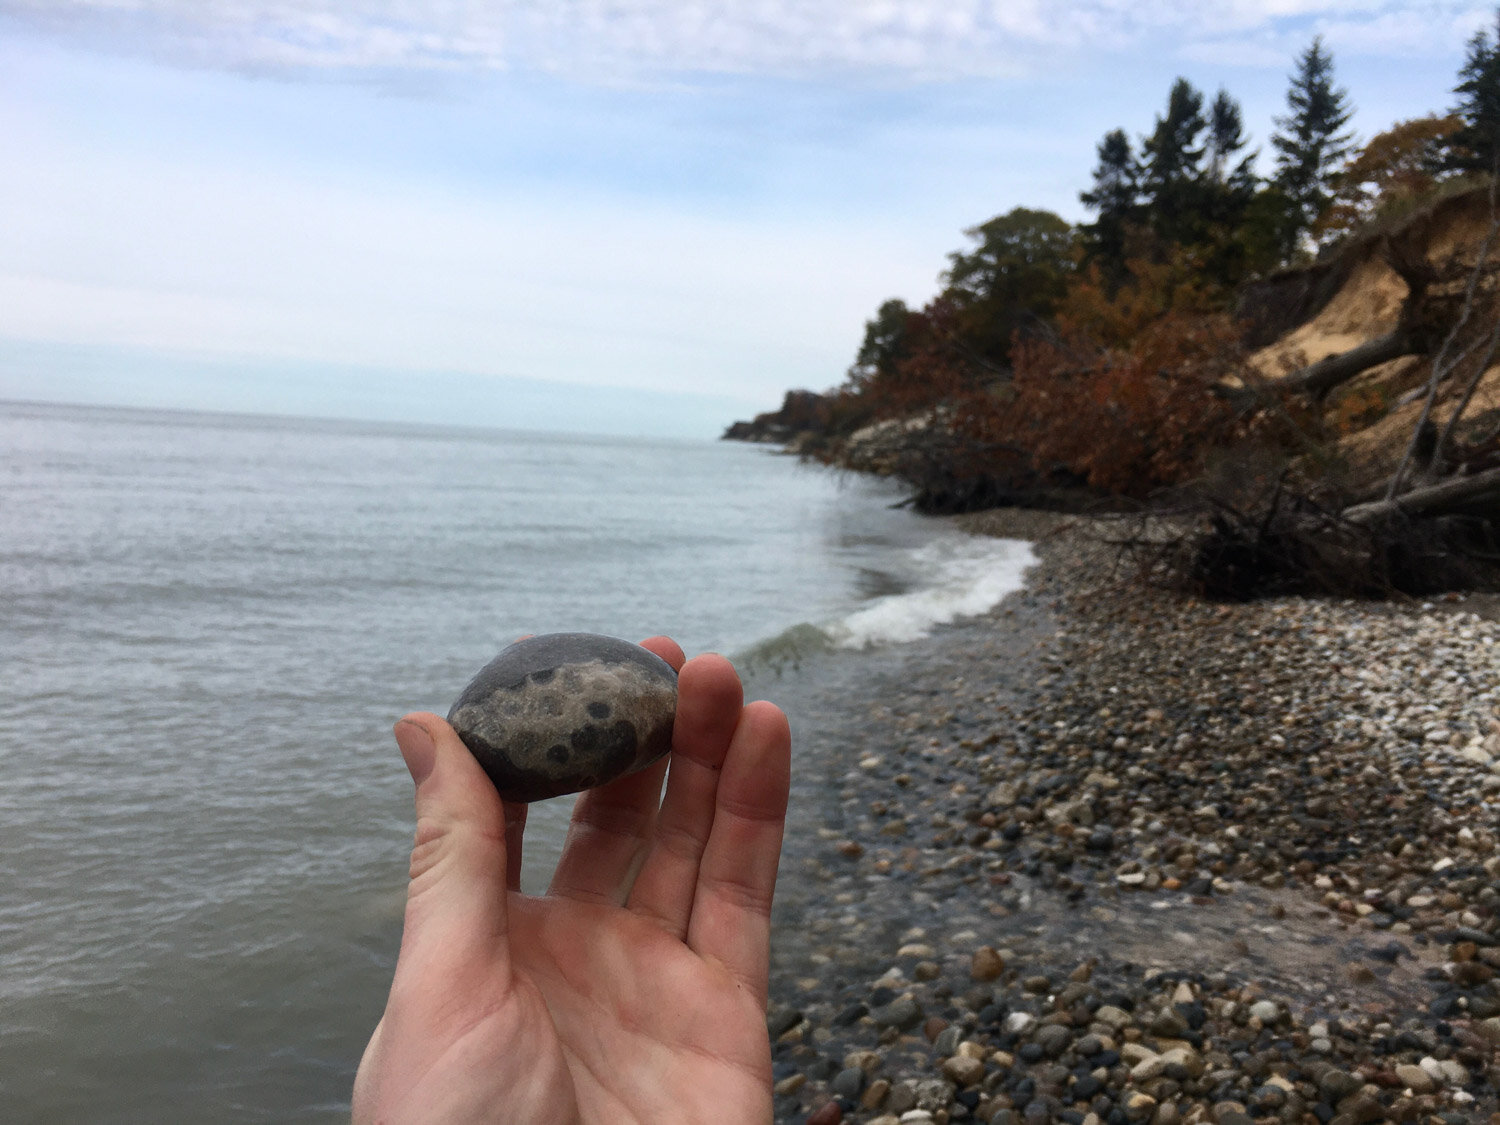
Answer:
(947, 578)
(952, 577)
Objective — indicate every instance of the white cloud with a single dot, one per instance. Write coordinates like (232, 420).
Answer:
(632, 39)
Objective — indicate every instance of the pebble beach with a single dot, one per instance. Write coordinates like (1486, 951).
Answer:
(1109, 854)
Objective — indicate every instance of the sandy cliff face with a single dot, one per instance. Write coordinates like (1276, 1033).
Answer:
(1367, 305)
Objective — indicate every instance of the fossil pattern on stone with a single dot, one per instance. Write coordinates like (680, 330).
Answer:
(564, 712)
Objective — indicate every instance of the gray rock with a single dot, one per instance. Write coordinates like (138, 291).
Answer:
(933, 1094)
(1089, 1046)
(562, 712)
(782, 1020)
(1335, 1085)
(902, 1098)
(1053, 1038)
(947, 1041)
(1267, 1011)
(849, 1082)
(903, 1013)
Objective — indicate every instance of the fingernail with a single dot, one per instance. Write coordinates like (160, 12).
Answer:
(417, 749)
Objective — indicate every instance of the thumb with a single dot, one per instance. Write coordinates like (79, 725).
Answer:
(455, 902)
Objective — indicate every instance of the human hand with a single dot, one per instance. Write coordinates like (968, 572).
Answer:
(635, 989)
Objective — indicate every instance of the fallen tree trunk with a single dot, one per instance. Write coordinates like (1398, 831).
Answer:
(1317, 379)
(1417, 327)
(1478, 494)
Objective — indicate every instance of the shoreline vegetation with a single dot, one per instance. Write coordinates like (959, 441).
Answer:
(1112, 854)
(1200, 826)
(1303, 366)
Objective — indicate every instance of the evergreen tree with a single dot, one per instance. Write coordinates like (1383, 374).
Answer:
(1477, 144)
(1310, 142)
(1229, 186)
(1116, 196)
(1172, 168)
(1226, 137)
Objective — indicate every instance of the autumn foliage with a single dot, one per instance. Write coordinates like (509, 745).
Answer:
(1117, 395)
(1395, 169)
(1066, 365)
(1129, 410)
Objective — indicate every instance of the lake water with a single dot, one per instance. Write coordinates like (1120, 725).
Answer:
(207, 626)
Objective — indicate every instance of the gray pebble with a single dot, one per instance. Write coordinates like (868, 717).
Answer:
(902, 1013)
(1053, 1038)
(782, 1020)
(947, 1041)
(849, 1082)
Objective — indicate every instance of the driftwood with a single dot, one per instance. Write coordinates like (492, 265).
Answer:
(1476, 495)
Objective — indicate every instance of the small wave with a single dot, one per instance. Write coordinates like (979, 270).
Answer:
(785, 651)
(956, 578)
(948, 579)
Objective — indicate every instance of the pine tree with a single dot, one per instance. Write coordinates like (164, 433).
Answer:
(1477, 144)
(1172, 168)
(1116, 197)
(1226, 137)
(1229, 186)
(1310, 142)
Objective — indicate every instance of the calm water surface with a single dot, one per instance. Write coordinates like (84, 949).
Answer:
(208, 624)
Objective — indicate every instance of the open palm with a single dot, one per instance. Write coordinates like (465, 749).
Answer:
(635, 989)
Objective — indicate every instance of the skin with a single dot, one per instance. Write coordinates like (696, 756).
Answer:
(635, 989)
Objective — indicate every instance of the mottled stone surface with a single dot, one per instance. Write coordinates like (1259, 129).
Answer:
(563, 712)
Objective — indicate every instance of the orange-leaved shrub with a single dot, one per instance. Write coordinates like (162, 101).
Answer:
(1123, 393)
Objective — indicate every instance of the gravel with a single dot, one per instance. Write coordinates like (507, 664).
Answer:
(1114, 855)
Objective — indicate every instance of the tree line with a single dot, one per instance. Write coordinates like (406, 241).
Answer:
(1109, 359)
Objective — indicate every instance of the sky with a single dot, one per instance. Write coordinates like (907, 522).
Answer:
(612, 216)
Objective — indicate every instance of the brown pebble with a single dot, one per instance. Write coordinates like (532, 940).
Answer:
(933, 1027)
(963, 1071)
(790, 1084)
(986, 964)
(830, 1114)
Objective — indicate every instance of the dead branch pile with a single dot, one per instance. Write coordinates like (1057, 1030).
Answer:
(1289, 543)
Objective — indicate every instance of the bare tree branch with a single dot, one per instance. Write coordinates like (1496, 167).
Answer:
(1443, 364)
